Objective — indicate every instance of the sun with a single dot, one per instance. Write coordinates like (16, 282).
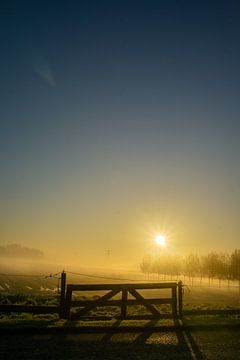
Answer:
(160, 240)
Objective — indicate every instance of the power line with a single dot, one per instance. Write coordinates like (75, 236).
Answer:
(78, 274)
(100, 277)
(106, 277)
(29, 275)
(22, 275)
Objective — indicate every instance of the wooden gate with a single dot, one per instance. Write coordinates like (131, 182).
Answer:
(175, 300)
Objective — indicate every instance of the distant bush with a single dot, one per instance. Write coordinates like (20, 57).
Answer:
(15, 250)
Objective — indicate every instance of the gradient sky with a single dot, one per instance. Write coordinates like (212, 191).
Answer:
(118, 120)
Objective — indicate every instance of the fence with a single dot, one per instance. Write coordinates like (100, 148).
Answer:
(38, 309)
(29, 309)
(66, 301)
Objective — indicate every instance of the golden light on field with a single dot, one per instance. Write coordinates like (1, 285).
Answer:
(160, 240)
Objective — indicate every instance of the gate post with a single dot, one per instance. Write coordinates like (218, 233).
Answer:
(62, 296)
(68, 300)
(180, 299)
(174, 301)
(124, 303)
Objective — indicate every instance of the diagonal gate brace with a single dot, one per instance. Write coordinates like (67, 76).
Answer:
(139, 297)
(94, 304)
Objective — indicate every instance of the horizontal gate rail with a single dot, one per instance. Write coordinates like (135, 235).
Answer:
(77, 303)
(93, 287)
(29, 309)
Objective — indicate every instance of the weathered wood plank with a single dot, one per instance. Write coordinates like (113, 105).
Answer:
(68, 300)
(128, 317)
(29, 309)
(62, 295)
(180, 299)
(174, 302)
(124, 303)
(75, 303)
(120, 287)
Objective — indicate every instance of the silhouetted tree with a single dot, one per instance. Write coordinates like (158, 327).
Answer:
(146, 264)
(235, 265)
(15, 250)
(221, 266)
(192, 266)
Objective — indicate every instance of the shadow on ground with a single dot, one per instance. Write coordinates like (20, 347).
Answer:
(171, 343)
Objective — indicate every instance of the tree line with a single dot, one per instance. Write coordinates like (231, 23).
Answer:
(214, 265)
(18, 251)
